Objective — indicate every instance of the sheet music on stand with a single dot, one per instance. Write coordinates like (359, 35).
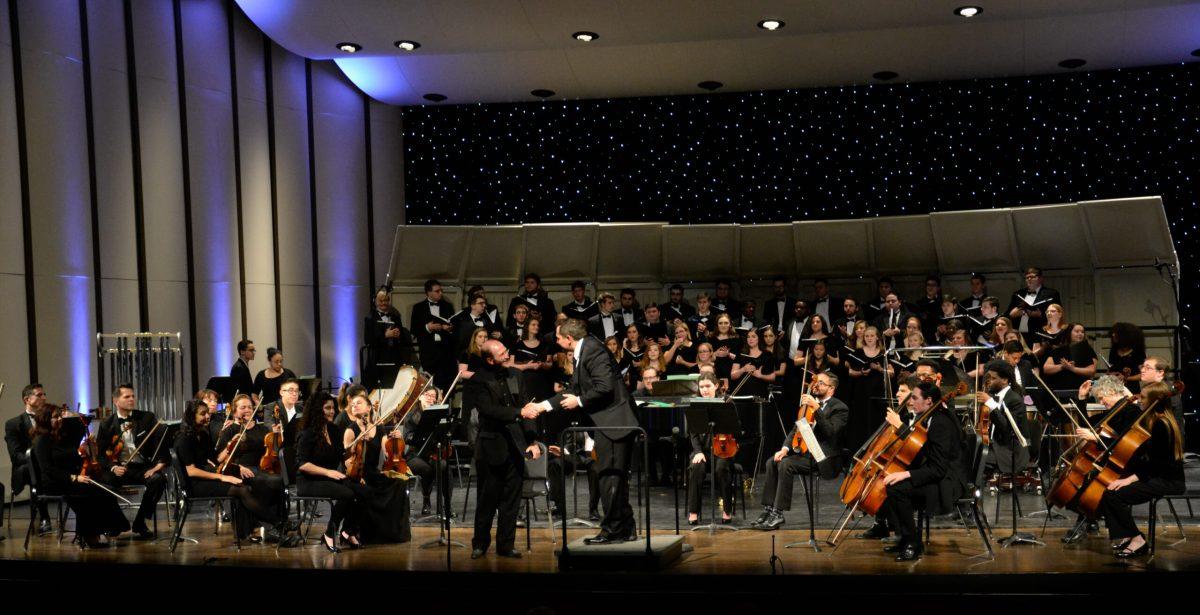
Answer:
(810, 440)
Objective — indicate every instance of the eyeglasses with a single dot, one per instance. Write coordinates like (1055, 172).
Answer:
(289, 390)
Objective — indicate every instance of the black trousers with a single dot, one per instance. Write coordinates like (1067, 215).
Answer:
(1117, 506)
(612, 467)
(902, 501)
(135, 475)
(425, 469)
(96, 512)
(349, 498)
(250, 507)
(558, 470)
(695, 485)
(781, 479)
(498, 491)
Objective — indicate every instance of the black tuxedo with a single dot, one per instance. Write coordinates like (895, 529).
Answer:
(437, 350)
(653, 331)
(539, 301)
(772, 315)
(1018, 300)
(581, 311)
(671, 312)
(596, 325)
(935, 479)
(845, 325)
(637, 314)
(17, 437)
(729, 306)
(830, 421)
(465, 325)
(605, 400)
(497, 394)
(1002, 435)
(290, 430)
(871, 311)
(243, 381)
(885, 317)
(383, 349)
(154, 450)
(835, 308)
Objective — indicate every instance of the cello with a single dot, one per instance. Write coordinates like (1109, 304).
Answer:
(889, 450)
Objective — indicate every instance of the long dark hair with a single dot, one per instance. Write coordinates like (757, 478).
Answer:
(189, 417)
(313, 418)
(43, 422)
(1127, 335)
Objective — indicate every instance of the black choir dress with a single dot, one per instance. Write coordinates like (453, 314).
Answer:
(538, 382)
(865, 412)
(96, 512)
(385, 516)
(1066, 380)
(689, 354)
(268, 388)
(725, 364)
(1127, 365)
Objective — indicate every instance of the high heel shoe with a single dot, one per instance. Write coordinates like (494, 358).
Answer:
(1121, 545)
(351, 541)
(1126, 553)
(330, 543)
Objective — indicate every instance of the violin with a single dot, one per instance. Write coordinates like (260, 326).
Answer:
(808, 413)
(235, 441)
(273, 443)
(394, 449)
(116, 446)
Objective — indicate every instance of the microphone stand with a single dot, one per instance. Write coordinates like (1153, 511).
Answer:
(1018, 439)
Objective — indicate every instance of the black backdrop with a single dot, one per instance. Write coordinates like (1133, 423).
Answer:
(818, 153)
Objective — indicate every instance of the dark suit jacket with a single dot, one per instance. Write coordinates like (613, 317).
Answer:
(464, 327)
(596, 327)
(1018, 300)
(545, 305)
(153, 450)
(638, 316)
(1001, 431)
(937, 470)
(240, 372)
(597, 383)
(421, 316)
(729, 306)
(770, 311)
(385, 349)
(835, 308)
(831, 420)
(581, 312)
(18, 439)
(497, 396)
(683, 312)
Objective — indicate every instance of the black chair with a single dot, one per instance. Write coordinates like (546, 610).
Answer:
(35, 498)
(971, 499)
(186, 499)
(292, 494)
(1153, 523)
(536, 484)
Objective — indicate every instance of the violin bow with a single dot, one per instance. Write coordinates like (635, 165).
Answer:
(241, 436)
(144, 441)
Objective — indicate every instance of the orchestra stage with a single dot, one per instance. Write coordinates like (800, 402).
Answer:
(728, 568)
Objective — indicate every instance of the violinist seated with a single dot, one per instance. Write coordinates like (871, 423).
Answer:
(829, 417)
(385, 515)
(133, 453)
(319, 453)
(708, 385)
(240, 450)
(933, 480)
(56, 436)
(1001, 393)
(287, 411)
(1156, 470)
(195, 452)
(422, 457)
(17, 435)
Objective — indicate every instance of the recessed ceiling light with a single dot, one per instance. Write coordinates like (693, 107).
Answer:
(434, 97)
(540, 93)
(407, 45)
(885, 75)
(349, 47)
(968, 11)
(710, 85)
(771, 24)
(585, 36)
(1072, 63)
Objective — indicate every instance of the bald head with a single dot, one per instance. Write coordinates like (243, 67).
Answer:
(494, 352)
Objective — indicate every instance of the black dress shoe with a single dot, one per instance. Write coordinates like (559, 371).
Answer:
(910, 552)
(1121, 544)
(45, 527)
(593, 515)
(426, 510)
(509, 554)
(875, 532)
(1126, 553)
(330, 543)
(477, 553)
(761, 519)
(602, 539)
(141, 532)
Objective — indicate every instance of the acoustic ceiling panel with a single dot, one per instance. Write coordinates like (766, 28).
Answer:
(833, 248)
(980, 240)
(630, 252)
(699, 252)
(767, 250)
(494, 256)
(1128, 232)
(904, 244)
(424, 252)
(1052, 234)
(561, 253)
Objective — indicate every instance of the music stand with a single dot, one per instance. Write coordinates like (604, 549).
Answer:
(309, 385)
(704, 417)
(423, 432)
(437, 424)
(1016, 538)
(675, 388)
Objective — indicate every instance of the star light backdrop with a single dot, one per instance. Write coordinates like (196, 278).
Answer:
(845, 152)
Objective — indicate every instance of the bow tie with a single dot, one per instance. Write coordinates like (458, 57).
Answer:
(606, 316)
(432, 302)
